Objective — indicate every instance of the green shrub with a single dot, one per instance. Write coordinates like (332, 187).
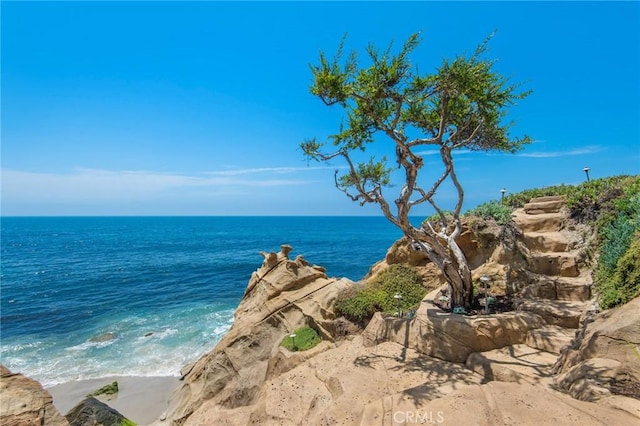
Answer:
(519, 199)
(617, 274)
(436, 220)
(622, 284)
(360, 304)
(305, 338)
(500, 212)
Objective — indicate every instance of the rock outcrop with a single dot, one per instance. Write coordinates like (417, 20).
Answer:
(282, 295)
(24, 402)
(91, 412)
(603, 363)
(436, 367)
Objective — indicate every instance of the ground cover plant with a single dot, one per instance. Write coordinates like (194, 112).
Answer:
(301, 339)
(360, 303)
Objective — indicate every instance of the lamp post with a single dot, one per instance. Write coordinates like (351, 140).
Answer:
(398, 296)
(486, 280)
(293, 341)
(502, 192)
(586, 170)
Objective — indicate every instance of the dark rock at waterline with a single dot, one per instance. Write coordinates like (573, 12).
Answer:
(105, 337)
(148, 334)
(92, 412)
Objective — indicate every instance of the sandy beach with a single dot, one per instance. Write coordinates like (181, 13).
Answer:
(141, 399)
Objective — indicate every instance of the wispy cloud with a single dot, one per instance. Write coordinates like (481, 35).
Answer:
(586, 150)
(263, 170)
(103, 185)
(428, 152)
(592, 149)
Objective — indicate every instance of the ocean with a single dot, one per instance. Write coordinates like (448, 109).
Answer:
(165, 287)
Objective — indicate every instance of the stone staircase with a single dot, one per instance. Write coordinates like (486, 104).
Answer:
(552, 285)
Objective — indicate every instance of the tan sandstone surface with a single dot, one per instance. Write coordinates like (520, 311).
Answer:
(24, 402)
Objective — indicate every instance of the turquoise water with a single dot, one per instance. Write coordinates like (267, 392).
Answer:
(166, 287)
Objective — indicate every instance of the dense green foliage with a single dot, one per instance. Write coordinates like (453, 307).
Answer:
(462, 104)
(500, 212)
(378, 295)
(305, 338)
(612, 206)
(127, 422)
(617, 274)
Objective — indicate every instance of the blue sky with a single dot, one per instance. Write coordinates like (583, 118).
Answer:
(123, 108)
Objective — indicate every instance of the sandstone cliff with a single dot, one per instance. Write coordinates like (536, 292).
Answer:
(282, 295)
(437, 367)
(25, 402)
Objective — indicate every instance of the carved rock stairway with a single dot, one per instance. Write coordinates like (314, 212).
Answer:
(553, 286)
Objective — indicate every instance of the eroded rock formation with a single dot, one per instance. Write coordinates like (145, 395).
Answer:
(25, 402)
(442, 367)
(92, 412)
(282, 295)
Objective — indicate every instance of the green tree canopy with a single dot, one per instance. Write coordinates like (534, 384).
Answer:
(462, 104)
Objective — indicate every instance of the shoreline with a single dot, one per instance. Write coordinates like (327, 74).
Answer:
(141, 399)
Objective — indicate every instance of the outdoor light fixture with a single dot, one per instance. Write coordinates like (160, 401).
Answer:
(398, 296)
(586, 170)
(486, 280)
(502, 192)
(293, 341)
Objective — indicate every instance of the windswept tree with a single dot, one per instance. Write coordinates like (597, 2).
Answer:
(462, 105)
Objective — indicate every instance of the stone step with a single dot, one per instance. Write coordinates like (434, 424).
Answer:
(550, 241)
(571, 289)
(547, 198)
(550, 339)
(555, 312)
(515, 363)
(574, 289)
(545, 222)
(545, 206)
(561, 264)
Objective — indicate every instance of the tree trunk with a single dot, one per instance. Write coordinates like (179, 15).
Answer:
(452, 263)
(464, 290)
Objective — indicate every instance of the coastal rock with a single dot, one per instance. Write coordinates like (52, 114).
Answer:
(92, 412)
(24, 401)
(104, 337)
(603, 364)
(495, 404)
(452, 337)
(480, 241)
(336, 386)
(411, 371)
(281, 296)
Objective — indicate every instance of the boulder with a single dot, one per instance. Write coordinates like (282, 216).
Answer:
(281, 296)
(480, 240)
(104, 337)
(604, 359)
(91, 412)
(24, 401)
